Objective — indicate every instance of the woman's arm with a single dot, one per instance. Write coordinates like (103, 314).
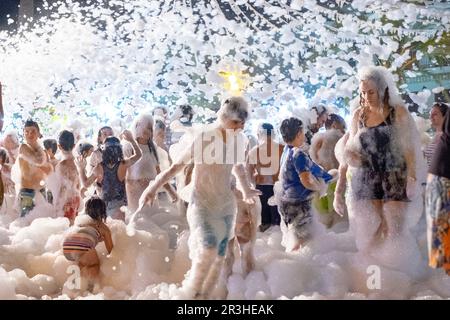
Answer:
(407, 141)
(137, 153)
(87, 181)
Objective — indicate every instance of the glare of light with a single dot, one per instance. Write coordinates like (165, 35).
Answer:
(235, 82)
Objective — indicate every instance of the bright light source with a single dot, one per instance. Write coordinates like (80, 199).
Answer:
(236, 82)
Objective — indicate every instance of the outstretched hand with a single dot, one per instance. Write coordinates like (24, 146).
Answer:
(250, 194)
(339, 204)
(147, 197)
(81, 162)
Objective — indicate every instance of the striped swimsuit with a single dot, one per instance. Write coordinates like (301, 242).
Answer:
(79, 242)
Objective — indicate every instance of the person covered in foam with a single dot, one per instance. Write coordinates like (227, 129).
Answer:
(300, 177)
(111, 172)
(81, 240)
(323, 143)
(68, 196)
(217, 153)
(322, 153)
(383, 150)
(146, 168)
(34, 168)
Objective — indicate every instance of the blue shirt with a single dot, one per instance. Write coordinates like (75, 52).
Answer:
(294, 163)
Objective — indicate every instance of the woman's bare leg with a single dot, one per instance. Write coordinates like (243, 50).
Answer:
(368, 223)
(394, 214)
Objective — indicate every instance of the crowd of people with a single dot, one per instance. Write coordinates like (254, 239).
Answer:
(366, 176)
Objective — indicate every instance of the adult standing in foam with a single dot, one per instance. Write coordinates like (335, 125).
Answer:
(437, 201)
(437, 115)
(34, 168)
(381, 149)
(212, 208)
(146, 168)
(264, 166)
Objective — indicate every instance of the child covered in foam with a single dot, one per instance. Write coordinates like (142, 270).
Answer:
(300, 177)
(79, 245)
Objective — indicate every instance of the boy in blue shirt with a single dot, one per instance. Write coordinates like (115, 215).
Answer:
(300, 178)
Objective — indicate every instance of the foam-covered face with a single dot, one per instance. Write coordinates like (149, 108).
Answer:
(144, 133)
(105, 133)
(236, 125)
(436, 118)
(31, 134)
(369, 93)
(10, 143)
(319, 123)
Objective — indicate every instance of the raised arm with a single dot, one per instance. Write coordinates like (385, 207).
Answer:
(86, 181)
(137, 153)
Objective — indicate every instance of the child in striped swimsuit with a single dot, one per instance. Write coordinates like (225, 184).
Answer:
(79, 245)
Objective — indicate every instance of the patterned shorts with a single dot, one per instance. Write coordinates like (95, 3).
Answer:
(437, 205)
(297, 213)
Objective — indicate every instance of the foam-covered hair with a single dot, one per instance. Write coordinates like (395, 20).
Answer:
(142, 121)
(234, 108)
(383, 80)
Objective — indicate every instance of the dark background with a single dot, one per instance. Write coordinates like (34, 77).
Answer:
(10, 7)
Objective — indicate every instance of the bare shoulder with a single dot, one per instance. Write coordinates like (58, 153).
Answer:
(24, 148)
(357, 112)
(402, 112)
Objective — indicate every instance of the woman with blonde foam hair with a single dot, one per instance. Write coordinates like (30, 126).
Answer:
(381, 149)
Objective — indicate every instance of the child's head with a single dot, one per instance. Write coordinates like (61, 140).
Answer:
(265, 130)
(66, 140)
(96, 209)
(335, 121)
(85, 149)
(112, 152)
(11, 140)
(3, 156)
(50, 146)
(292, 132)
